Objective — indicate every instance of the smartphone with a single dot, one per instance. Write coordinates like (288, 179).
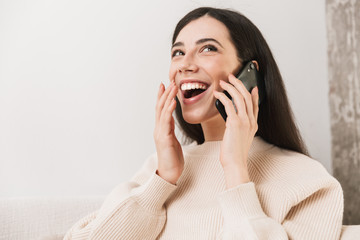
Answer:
(250, 77)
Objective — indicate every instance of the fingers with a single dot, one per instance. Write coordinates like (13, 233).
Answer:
(237, 98)
(169, 106)
(245, 94)
(228, 104)
(163, 95)
(165, 106)
(160, 93)
(255, 99)
(246, 103)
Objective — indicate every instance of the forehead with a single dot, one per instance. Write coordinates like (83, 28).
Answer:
(204, 27)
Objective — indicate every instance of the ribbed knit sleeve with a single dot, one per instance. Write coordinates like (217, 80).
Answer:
(296, 201)
(133, 210)
(244, 217)
(319, 216)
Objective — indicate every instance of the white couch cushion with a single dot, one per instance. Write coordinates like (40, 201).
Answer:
(33, 218)
(350, 232)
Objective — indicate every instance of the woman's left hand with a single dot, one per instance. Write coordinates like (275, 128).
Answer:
(241, 127)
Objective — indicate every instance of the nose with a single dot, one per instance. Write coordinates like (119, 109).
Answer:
(187, 64)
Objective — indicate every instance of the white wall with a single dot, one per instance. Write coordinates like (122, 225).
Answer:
(78, 82)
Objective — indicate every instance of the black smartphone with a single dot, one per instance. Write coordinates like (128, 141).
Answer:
(250, 77)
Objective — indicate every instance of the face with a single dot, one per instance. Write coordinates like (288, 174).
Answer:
(201, 56)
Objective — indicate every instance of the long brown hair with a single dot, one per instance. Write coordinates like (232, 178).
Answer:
(276, 123)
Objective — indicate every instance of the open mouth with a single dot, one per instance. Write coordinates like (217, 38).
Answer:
(190, 90)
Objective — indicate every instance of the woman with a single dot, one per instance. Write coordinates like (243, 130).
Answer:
(246, 178)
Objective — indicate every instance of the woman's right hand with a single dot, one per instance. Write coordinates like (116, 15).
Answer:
(168, 148)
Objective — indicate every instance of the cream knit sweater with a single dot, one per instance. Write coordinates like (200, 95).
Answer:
(291, 196)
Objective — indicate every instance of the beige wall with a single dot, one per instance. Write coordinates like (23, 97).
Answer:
(343, 27)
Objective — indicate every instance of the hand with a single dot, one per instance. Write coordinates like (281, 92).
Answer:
(241, 127)
(169, 151)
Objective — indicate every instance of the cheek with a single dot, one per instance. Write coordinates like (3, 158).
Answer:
(172, 72)
(218, 70)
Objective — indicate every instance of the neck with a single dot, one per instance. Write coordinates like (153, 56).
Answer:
(214, 128)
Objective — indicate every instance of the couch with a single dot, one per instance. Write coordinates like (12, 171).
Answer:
(39, 218)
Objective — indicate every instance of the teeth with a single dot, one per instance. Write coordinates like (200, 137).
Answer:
(188, 86)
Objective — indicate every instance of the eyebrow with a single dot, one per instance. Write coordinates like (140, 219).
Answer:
(200, 41)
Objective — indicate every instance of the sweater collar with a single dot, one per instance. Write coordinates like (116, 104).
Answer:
(213, 147)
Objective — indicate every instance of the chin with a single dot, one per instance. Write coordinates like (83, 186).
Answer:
(192, 119)
(195, 117)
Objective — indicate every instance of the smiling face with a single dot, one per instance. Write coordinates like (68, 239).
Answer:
(202, 55)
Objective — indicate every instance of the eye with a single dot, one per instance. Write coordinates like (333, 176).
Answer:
(176, 53)
(209, 48)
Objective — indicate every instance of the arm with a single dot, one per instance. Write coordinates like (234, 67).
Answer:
(242, 212)
(133, 210)
(317, 217)
(244, 217)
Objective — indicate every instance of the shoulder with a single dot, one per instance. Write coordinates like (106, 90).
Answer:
(283, 163)
(284, 178)
(294, 173)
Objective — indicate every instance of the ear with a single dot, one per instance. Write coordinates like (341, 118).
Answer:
(256, 64)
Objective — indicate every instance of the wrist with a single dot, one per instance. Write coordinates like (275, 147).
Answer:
(236, 175)
(167, 177)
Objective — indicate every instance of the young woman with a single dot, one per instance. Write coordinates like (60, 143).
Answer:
(248, 177)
